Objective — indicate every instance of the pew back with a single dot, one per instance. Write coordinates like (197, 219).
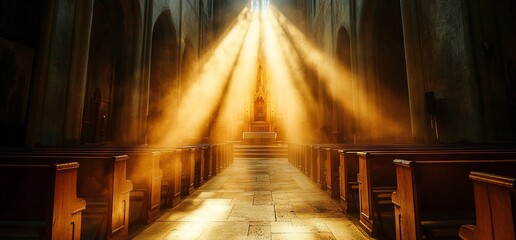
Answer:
(437, 193)
(495, 207)
(376, 171)
(102, 182)
(41, 198)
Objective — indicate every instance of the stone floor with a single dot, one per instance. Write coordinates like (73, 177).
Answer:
(255, 199)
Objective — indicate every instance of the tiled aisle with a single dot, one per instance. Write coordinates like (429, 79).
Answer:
(255, 199)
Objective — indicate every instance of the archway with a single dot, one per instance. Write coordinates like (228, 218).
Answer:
(164, 88)
(103, 69)
(344, 117)
(384, 74)
(112, 68)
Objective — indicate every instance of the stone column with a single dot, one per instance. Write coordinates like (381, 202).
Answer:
(41, 68)
(410, 14)
(144, 87)
(49, 89)
(78, 72)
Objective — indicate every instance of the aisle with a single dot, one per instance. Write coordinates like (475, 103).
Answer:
(255, 199)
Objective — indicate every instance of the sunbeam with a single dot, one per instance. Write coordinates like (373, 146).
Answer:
(264, 57)
(338, 83)
(290, 96)
(206, 88)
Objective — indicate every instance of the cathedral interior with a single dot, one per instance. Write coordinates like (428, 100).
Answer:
(223, 76)
(131, 72)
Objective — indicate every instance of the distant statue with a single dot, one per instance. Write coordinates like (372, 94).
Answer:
(259, 114)
(259, 78)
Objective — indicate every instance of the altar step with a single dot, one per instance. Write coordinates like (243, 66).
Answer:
(261, 151)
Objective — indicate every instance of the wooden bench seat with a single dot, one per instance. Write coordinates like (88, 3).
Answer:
(142, 169)
(186, 165)
(376, 170)
(333, 172)
(40, 199)
(435, 197)
(348, 169)
(495, 207)
(324, 162)
(102, 182)
(176, 163)
(170, 163)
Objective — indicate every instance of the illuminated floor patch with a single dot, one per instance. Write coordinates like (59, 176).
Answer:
(234, 206)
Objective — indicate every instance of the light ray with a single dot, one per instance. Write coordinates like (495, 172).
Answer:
(206, 87)
(348, 95)
(290, 101)
(218, 99)
(231, 120)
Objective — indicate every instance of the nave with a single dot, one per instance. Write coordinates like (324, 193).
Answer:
(255, 198)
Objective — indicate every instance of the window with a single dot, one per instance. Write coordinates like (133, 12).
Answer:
(259, 5)
(315, 4)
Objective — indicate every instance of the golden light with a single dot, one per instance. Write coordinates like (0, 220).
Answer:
(285, 76)
(338, 82)
(299, 77)
(207, 87)
(232, 115)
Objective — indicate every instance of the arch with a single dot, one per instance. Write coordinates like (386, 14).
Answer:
(383, 73)
(188, 64)
(112, 63)
(344, 48)
(128, 112)
(163, 75)
(343, 114)
(103, 66)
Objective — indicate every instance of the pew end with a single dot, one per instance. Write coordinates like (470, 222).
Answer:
(495, 201)
(426, 205)
(51, 210)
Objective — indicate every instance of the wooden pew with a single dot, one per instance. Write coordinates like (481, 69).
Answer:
(299, 157)
(199, 166)
(348, 170)
(308, 160)
(229, 153)
(41, 199)
(170, 163)
(187, 171)
(377, 177)
(206, 158)
(347, 167)
(324, 167)
(176, 164)
(319, 160)
(332, 163)
(210, 166)
(434, 197)
(101, 181)
(142, 168)
(332, 167)
(217, 168)
(192, 164)
(314, 173)
(495, 202)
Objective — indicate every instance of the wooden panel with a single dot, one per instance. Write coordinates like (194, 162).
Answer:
(42, 198)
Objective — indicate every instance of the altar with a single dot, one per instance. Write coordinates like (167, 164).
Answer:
(260, 123)
(259, 137)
